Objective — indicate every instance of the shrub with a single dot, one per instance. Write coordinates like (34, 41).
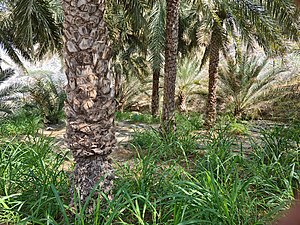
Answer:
(47, 98)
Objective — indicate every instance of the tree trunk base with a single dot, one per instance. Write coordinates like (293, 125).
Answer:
(89, 172)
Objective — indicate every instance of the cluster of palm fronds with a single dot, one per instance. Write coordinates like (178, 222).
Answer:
(8, 92)
(46, 97)
(30, 28)
(247, 80)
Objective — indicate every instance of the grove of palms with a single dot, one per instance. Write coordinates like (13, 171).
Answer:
(219, 148)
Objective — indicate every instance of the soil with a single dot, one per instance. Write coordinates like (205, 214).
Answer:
(124, 132)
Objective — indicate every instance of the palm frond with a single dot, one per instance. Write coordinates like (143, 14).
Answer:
(286, 14)
(157, 23)
(35, 25)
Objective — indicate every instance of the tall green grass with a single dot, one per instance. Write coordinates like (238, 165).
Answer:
(174, 145)
(28, 168)
(136, 117)
(21, 123)
(183, 179)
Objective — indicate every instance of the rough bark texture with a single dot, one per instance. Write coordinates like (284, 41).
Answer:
(168, 117)
(90, 105)
(182, 102)
(155, 93)
(215, 46)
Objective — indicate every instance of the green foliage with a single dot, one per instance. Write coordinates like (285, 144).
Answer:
(239, 128)
(286, 95)
(275, 164)
(28, 168)
(174, 145)
(218, 186)
(30, 28)
(188, 76)
(48, 99)
(156, 37)
(21, 123)
(128, 92)
(233, 125)
(136, 117)
(6, 93)
(189, 122)
(246, 80)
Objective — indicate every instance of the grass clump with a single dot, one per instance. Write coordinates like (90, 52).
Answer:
(21, 123)
(174, 145)
(28, 168)
(136, 117)
(168, 147)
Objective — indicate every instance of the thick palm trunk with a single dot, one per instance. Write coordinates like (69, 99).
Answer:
(168, 117)
(89, 106)
(155, 93)
(214, 56)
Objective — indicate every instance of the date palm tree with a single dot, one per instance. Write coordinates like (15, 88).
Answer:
(90, 104)
(156, 37)
(247, 79)
(168, 116)
(188, 76)
(254, 22)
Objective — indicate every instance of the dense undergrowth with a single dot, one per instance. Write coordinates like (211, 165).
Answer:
(190, 177)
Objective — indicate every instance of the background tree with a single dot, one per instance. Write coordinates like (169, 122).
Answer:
(187, 80)
(5, 92)
(253, 22)
(156, 39)
(247, 79)
(168, 117)
(127, 25)
(90, 104)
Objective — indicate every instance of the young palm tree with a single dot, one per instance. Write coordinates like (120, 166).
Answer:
(168, 117)
(247, 79)
(5, 92)
(90, 104)
(186, 81)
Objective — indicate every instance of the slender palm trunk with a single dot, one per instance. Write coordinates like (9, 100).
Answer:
(214, 56)
(90, 105)
(168, 116)
(155, 93)
(182, 102)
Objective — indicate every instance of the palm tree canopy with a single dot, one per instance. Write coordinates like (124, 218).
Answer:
(31, 28)
(267, 23)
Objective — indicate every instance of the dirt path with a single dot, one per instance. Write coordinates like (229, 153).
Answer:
(124, 132)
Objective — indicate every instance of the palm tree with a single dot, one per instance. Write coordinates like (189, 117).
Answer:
(90, 104)
(187, 80)
(156, 44)
(127, 27)
(247, 79)
(168, 116)
(156, 36)
(250, 21)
